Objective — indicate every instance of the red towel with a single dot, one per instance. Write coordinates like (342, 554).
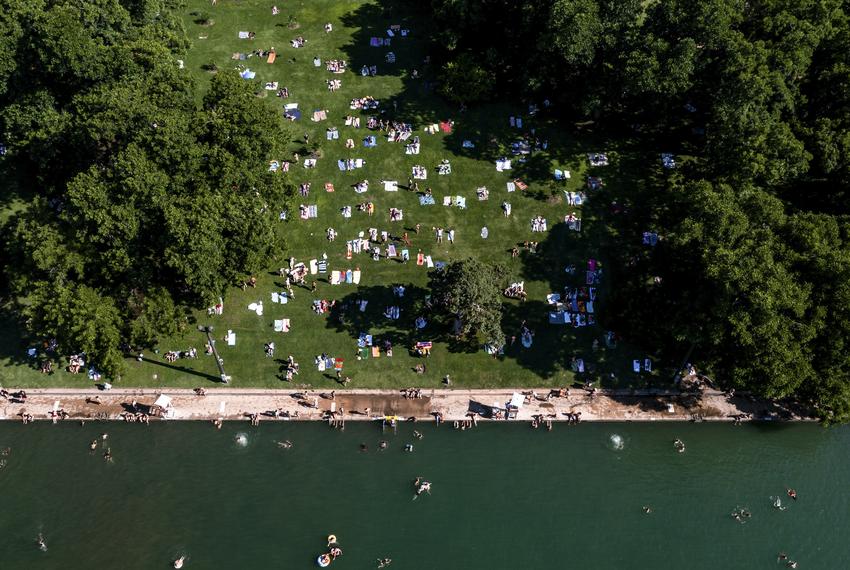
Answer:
(445, 127)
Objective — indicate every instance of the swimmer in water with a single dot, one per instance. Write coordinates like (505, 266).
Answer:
(42, 545)
(364, 448)
(107, 455)
(384, 562)
(782, 556)
(777, 503)
(382, 445)
(791, 564)
(417, 435)
(679, 445)
(93, 445)
(179, 562)
(647, 510)
(284, 444)
(792, 493)
(104, 436)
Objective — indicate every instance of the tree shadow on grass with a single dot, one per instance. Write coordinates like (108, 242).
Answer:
(347, 315)
(189, 371)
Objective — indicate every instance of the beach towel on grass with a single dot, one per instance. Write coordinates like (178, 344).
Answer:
(313, 267)
(231, 338)
(445, 127)
(429, 262)
(243, 35)
(426, 200)
(335, 277)
(355, 276)
(391, 185)
(248, 74)
(376, 352)
(447, 200)
(341, 165)
(559, 318)
(420, 259)
(272, 57)
(281, 325)
(329, 187)
(323, 266)
(391, 251)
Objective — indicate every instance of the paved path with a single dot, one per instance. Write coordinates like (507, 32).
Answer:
(239, 404)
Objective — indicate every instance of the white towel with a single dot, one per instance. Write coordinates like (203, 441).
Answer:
(391, 185)
(356, 276)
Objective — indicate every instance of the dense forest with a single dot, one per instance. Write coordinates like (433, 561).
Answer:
(751, 273)
(145, 202)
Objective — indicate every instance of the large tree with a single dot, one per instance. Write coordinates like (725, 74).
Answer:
(146, 202)
(470, 291)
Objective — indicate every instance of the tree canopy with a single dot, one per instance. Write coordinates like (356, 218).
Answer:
(470, 291)
(146, 202)
(751, 270)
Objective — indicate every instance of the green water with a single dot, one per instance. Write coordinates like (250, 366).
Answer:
(504, 496)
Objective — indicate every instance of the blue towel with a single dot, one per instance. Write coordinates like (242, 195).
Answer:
(426, 200)
(341, 165)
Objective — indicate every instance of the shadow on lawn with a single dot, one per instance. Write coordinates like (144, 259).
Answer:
(189, 371)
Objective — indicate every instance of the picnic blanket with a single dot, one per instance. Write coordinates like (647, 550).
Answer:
(426, 200)
(272, 57)
(503, 164)
(281, 325)
(244, 35)
(391, 185)
(248, 74)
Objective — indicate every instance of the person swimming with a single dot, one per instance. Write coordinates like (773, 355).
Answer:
(179, 562)
(408, 447)
(384, 562)
(93, 445)
(284, 444)
(42, 545)
(364, 448)
(107, 455)
(792, 493)
(382, 445)
(417, 435)
(679, 445)
(647, 509)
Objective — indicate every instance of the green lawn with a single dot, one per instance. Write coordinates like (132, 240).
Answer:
(546, 363)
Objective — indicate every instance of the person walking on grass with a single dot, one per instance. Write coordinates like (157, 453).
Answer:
(314, 286)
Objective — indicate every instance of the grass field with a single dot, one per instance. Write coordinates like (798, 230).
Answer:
(402, 97)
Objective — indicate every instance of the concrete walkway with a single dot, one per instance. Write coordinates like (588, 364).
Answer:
(239, 404)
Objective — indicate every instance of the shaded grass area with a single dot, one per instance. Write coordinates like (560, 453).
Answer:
(402, 97)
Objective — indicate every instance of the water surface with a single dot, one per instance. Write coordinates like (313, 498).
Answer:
(504, 496)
